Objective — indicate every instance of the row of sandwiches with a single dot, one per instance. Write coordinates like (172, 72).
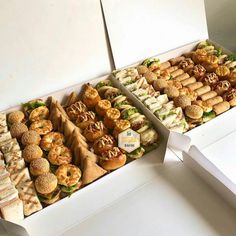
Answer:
(18, 197)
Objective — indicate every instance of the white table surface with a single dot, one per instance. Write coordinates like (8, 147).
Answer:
(174, 202)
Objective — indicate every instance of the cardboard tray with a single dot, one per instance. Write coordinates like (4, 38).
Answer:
(54, 222)
(213, 141)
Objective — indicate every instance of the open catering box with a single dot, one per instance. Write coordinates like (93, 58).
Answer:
(142, 30)
(209, 147)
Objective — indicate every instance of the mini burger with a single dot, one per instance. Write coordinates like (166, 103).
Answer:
(129, 113)
(149, 139)
(46, 186)
(112, 93)
(112, 159)
(194, 114)
(103, 85)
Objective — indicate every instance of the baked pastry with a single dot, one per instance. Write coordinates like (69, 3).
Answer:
(182, 101)
(223, 72)
(232, 78)
(31, 152)
(186, 65)
(142, 69)
(188, 81)
(90, 96)
(230, 97)
(176, 73)
(176, 60)
(51, 139)
(165, 65)
(211, 63)
(103, 144)
(208, 95)
(215, 100)
(39, 166)
(150, 77)
(68, 177)
(42, 127)
(17, 130)
(210, 79)
(60, 154)
(120, 126)
(112, 115)
(39, 113)
(199, 56)
(221, 107)
(85, 118)
(46, 186)
(94, 131)
(30, 137)
(16, 117)
(102, 107)
(171, 92)
(203, 90)
(31, 105)
(112, 159)
(75, 109)
(195, 86)
(160, 84)
(222, 86)
(198, 71)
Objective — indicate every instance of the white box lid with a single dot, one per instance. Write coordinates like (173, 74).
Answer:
(48, 45)
(142, 28)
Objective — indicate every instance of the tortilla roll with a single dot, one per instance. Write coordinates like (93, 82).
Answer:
(182, 77)
(188, 81)
(208, 95)
(221, 107)
(73, 98)
(213, 101)
(177, 72)
(61, 109)
(203, 90)
(176, 60)
(171, 69)
(165, 65)
(195, 86)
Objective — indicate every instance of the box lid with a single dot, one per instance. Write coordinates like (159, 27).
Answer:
(48, 45)
(142, 28)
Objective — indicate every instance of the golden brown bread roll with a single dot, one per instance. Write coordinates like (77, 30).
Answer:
(182, 77)
(188, 81)
(195, 85)
(214, 101)
(203, 90)
(221, 107)
(208, 95)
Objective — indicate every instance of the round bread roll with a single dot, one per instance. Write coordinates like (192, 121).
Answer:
(194, 111)
(150, 77)
(30, 137)
(32, 152)
(16, 117)
(17, 130)
(171, 92)
(39, 166)
(46, 183)
(142, 69)
(160, 84)
(182, 101)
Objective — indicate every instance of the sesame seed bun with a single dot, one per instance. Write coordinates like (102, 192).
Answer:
(16, 117)
(194, 111)
(171, 92)
(17, 130)
(39, 166)
(182, 101)
(30, 137)
(32, 152)
(46, 183)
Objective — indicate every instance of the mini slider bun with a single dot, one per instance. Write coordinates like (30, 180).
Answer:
(171, 92)
(142, 69)
(112, 159)
(182, 101)
(160, 84)
(32, 152)
(150, 77)
(17, 130)
(30, 137)
(39, 166)
(16, 117)
(194, 112)
(46, 186)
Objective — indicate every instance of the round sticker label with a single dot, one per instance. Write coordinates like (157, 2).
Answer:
(129, 140)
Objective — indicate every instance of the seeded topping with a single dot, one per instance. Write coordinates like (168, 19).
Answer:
(113, 114)
(122, 125)
(222, 71)
(90, 93)
(104, 104)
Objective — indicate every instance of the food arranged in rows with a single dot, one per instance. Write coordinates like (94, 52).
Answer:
(185, 91)
(49, 150)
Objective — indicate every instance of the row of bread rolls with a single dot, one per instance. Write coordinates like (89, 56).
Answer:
(199, 86)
